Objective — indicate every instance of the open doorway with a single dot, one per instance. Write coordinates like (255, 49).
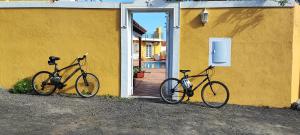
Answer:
(149, 52)
(172, 38)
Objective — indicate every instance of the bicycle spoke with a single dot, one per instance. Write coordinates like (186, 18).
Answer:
(180, 91)
(41, 83)
(87, 85)
(215, 94)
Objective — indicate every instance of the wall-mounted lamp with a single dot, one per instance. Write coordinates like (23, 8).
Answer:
(204, 17)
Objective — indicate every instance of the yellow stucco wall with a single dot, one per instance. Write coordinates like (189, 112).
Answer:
(261, 63)
(296, 60)
(143, 50)
(157, 48)
(29, 36)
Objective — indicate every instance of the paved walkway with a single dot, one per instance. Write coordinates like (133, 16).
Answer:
(149, 85)
(60, 115)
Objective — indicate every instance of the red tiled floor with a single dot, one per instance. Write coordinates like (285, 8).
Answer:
(149, 85)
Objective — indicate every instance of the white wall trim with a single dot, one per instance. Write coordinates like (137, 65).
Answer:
(162, 3)
(229, 4)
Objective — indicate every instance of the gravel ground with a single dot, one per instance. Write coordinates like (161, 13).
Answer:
(31, 114)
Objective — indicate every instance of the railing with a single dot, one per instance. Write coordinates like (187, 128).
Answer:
(153, 36)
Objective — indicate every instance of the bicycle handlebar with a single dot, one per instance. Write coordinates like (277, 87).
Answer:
(211, 67)
(206, 70)
(82, 58)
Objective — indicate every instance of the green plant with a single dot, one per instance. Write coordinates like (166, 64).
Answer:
(135, 69)
(22, 87)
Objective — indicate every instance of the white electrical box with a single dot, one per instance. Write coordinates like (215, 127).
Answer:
(219, 51)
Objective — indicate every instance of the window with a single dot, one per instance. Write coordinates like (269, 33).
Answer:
(148, 50)
(135, 47)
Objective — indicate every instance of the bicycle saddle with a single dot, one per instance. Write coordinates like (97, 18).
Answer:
(185, 71)
(52, 60)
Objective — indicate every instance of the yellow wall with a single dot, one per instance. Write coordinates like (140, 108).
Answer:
(261, 64)
(29, 36)
(143, 50)
(296, 48)
(157, 48)
(263, 61)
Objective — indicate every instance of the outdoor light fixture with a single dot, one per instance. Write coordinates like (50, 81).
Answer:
(204, 16)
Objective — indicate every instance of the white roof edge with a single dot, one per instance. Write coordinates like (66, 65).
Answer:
(228, 4)
(116, 5)
(59, 4)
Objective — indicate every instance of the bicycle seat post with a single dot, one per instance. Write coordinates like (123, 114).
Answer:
(185, 75)
(55, 67)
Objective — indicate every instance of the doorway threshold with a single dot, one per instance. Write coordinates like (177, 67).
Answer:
(145, 97)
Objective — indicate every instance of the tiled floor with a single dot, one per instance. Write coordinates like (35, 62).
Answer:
(149, 85)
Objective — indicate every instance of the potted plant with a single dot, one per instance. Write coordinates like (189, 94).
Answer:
(163, 55)
(138, 73)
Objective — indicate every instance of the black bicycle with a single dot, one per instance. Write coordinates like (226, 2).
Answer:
(214, 94)
(45, 83)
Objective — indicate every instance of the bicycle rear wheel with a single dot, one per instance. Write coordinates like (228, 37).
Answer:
(171, 91)
(87, 85)
(41, 83)
(215, 94)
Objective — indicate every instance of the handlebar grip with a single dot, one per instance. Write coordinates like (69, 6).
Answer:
(210, 67)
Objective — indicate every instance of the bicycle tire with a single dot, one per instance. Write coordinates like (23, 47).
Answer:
(34, 85)
(97, 86)
(162, 91)
(205, 99)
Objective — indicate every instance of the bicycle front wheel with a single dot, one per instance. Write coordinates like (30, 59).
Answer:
(87, 85)
(215, 94)
(171, 91)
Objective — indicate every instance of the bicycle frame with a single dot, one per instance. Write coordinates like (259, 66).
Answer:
(197, 76)
(56, 70)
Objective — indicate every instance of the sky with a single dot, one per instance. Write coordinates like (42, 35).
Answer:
(150, 21)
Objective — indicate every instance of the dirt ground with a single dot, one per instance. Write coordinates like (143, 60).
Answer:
(32, 114)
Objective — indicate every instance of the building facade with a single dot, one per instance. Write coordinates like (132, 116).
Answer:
(153, 47)
(265, 43)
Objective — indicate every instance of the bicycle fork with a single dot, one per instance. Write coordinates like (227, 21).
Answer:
(211, 88)
(84, 77)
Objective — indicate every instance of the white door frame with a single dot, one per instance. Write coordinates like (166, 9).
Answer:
(126, 38)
